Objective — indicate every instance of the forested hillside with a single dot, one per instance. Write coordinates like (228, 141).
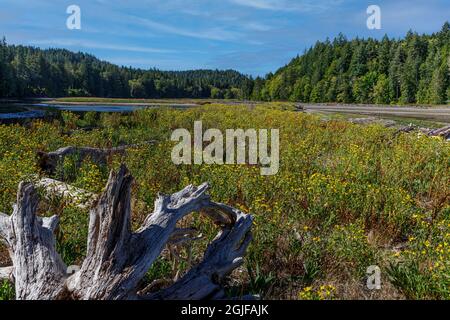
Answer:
(413, 70)
(32, 72)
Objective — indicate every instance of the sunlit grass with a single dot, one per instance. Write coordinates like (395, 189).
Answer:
(346, 197)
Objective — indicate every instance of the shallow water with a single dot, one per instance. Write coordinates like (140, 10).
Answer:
(18, 111)
(88, 108)
(11, 111)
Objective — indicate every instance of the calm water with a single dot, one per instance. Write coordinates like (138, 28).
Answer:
(11, 111)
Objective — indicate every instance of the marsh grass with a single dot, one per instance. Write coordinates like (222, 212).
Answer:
(346, 197)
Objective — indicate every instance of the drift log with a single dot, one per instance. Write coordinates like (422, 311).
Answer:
(117, 258)
(442, 132)
(48, 161)
(70, 194)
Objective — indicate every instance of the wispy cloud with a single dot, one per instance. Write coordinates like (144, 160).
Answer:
(96, 45)
(260, 4)
(286, 5)
(253, 36)
(215, 33)
(256, 26)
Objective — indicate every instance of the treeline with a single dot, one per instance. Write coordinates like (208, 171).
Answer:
(32, 72)
(413, 70)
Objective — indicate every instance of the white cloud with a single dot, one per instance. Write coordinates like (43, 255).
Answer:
(256, 26)
(260, 4)
(287, 5)
(210, 34)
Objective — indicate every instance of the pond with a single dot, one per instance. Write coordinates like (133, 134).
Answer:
(21, 110)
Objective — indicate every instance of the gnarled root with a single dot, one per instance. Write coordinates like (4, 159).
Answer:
(117, 258)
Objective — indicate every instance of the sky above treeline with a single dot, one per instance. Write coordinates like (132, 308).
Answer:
(252, 36)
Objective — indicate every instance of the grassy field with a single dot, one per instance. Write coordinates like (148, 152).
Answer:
(346, 197)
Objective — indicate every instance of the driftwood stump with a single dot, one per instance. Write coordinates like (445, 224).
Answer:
(117, 258)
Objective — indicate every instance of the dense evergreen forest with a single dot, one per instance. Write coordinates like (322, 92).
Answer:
(415, 69)
(32, 72)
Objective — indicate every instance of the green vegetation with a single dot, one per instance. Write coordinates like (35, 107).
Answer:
(413, 70)
(32, 72)
(408, 71)
(346, 197)
(6, 291)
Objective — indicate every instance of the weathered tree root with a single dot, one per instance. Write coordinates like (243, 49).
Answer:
(117, 258)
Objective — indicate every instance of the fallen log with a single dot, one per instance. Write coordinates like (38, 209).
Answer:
(299, 107)
(70, 194)
(442, 132)
(117, 258)
(48, 161)
(407, 129)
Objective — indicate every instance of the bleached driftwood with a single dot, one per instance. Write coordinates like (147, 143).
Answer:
(6, 273)
(117, 258)
(442, 132)
(48, 161)
(75, 196)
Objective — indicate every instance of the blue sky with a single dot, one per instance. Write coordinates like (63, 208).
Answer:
(251, 36)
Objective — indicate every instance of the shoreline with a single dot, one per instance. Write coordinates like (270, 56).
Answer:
(131, 104)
